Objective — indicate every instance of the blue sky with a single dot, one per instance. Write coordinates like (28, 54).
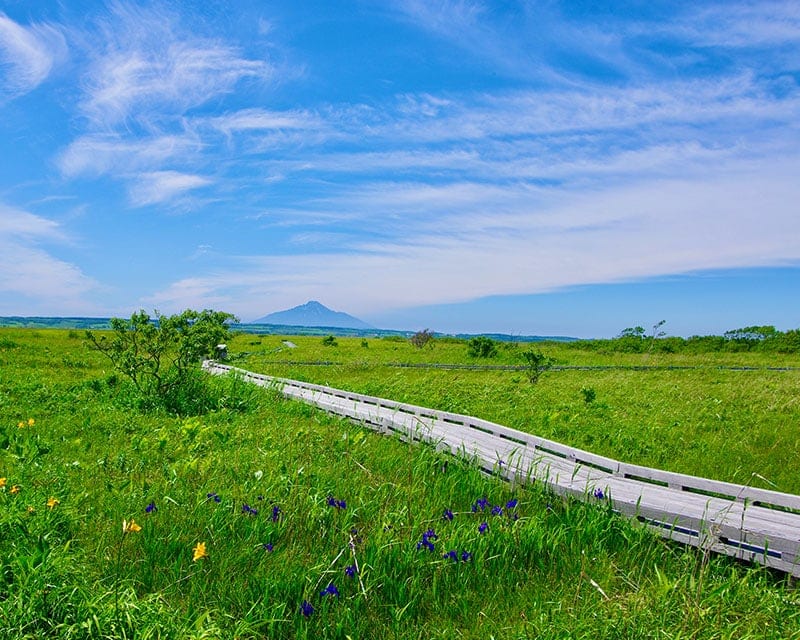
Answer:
(525, 167)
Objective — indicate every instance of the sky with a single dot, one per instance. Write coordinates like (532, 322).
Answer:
(525, 167)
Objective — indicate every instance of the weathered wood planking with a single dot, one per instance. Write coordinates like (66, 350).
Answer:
(748, 523)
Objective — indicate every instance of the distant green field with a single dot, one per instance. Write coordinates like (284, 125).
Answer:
(312, 527)
(728, 416)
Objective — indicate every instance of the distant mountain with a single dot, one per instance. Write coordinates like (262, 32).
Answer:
(313, 314)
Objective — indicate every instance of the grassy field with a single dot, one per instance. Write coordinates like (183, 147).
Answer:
(270, 519)
(728, 416)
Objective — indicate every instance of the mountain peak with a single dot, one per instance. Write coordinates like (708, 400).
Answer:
(313, 314)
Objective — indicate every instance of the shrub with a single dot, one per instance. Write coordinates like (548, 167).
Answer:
(422, 338)
(330, 341)
(536, 363)
(161, 356)
(482, 347)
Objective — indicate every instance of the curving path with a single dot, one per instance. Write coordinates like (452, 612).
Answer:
(756, 525)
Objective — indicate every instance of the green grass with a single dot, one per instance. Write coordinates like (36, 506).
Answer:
(561, 569)
(708, 420)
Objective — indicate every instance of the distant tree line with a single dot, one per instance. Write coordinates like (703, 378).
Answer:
(765, 339)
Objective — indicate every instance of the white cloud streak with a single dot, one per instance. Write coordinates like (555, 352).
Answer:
(726, 219)
(147, 63)
(163, 186)
(27, 55)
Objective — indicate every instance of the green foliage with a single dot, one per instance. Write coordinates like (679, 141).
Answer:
(422, 338)
(562, 569)
(536, 363)
(330, 341)
(161, 356)
(481, 347)
(588, 394)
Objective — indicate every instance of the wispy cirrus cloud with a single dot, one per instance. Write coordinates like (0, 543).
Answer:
(258, 119)
(145, 73)
(27, 55)
(98, 154)
(147, 63)
(163, 186)
(740, 25)
(606, 235)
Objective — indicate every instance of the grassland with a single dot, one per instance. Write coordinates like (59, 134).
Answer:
(728, 416)
(300, 511)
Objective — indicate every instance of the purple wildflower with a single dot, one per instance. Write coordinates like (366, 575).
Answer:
(598, 493)
(466, 556)
(338, 504)
(483, 528)
(511, 504)
(246, 508)
(480, 504)
(451, 555)
(150, 508)
(267, 546)
(276, 513)
(497, 511)
(213, 496)
(429, 535)
(448, 515)
(306, 608)
(350, 570)
(330, 590)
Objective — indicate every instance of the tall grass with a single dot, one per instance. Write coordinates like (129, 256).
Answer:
(288, 501)
(708, 420)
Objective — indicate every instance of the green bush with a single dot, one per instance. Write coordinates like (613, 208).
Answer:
(161, 357)
(481, 347)
(536, 363)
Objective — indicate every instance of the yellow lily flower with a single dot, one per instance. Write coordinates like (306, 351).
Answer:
(199, 551)
(130, 527)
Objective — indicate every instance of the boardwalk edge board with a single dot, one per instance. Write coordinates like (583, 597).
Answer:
(756, 525)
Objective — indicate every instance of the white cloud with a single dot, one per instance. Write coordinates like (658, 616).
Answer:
(32, 280)
(741, 216)
(147, 62)
(27, 55)
(742, 25)
(257, 119)
(162, 186)
(99, 154)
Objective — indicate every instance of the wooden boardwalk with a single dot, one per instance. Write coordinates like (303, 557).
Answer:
(751, 524)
